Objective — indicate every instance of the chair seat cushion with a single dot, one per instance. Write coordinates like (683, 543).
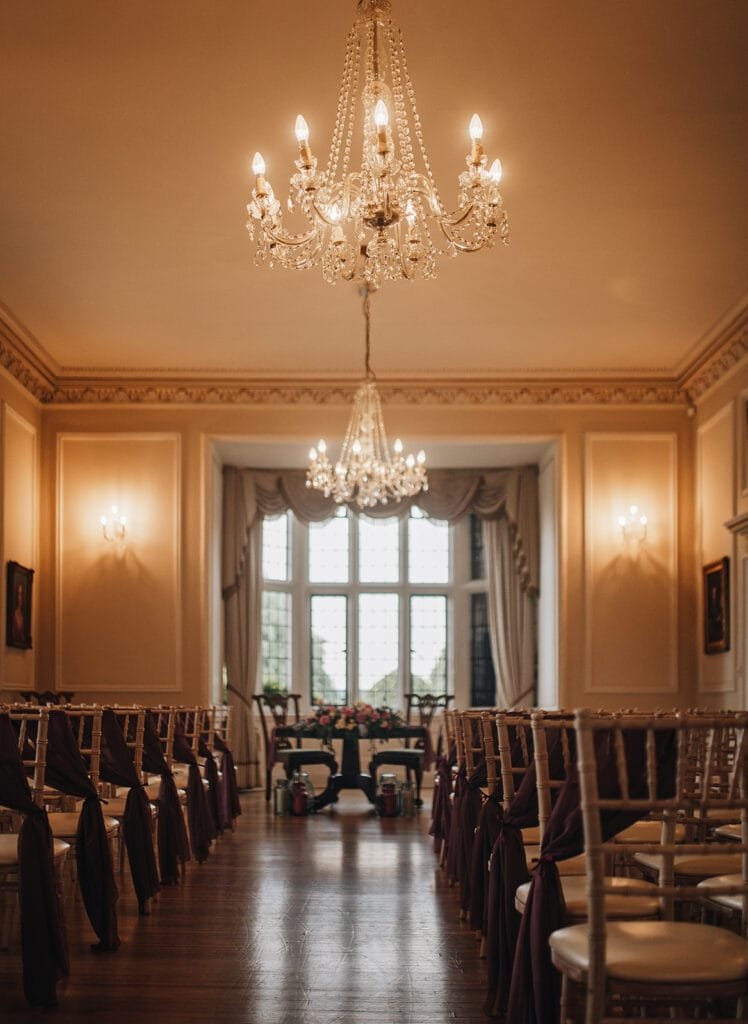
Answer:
(647, 832)
(688, 866)
(657, 952)
(115, 808)
(65, 824)
(573, 866)
(729, 832)
(729, 900)
(399, 755)
(9, 849)
(575, 896)
(306, 757)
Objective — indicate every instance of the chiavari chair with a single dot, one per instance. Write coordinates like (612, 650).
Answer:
(32, 746)
(625, 969)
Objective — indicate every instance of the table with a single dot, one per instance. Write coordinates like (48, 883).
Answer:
(350, 775)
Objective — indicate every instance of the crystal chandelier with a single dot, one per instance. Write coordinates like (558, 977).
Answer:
(366, 473)
(384, 220)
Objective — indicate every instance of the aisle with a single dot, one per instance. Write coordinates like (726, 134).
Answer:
(338, 919)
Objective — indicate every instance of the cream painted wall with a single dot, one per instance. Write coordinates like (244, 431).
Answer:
(118, 605)
(571, 428)
(721, 493)
(631, 589)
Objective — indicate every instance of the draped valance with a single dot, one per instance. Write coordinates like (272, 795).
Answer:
(510, 494)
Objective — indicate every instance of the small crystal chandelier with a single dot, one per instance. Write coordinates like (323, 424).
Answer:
(378, 222)
(366, 474)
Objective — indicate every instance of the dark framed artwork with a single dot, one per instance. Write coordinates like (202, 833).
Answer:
(717, 606)
(18, 606)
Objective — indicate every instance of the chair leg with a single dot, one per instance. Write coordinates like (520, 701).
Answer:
(419, 780)
(268, 775)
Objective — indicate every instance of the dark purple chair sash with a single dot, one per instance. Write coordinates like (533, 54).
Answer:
(66, 771)
(441, 805)
(44, 951)
(214, 796)
(173, 844)
(229, 802)
(199, 817)
(117, 767)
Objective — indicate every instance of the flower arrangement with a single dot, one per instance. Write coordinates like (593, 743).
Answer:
(329, 719)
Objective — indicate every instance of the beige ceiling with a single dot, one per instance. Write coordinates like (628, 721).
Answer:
(127, 130)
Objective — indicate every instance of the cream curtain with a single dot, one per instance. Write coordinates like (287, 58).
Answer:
(505, 499)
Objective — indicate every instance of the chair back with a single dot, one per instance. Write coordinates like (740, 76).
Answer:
(275, 709)
(31, 725)
(85, 722)
(551, 776)
(670, 765)
(132, 723)
(420, 709)
(469, 724)
(515, 749)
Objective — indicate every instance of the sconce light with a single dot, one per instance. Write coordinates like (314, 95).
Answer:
(633, 526)
(114, 525)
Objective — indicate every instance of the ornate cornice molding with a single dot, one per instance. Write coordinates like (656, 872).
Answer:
(23, 365)
(718, 360)
(51, 385)
(136, 392)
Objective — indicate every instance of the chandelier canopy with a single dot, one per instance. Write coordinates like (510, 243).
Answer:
(366, 474)
(384, 220)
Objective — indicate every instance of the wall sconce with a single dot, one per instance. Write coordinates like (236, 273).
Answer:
(633, 526)
(114, 526)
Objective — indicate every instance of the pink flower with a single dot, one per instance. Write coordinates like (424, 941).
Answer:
(324, 719)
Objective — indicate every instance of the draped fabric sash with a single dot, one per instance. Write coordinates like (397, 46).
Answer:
(43, 945)
(117, 767)
(199, 817)
(214, 797)
(229, 799)
(453, 839)
(507, 871)
(486, 834)
(441, 806)
(535, 992)
(469, 814)
(173, 844)
(66, 771)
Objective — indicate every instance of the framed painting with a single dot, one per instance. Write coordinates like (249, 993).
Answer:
(18, 606)
(717, 606)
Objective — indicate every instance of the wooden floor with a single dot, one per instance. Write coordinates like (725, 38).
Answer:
(342, 918)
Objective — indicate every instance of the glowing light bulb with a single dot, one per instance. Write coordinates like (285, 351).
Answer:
(398, 446)
(496, 171)
(333, 212)
(322, 446)
(410, 462)
(421, 457)
(258, 164)
(312, 454)
(381, 114)
(476, 128)
(301, 129)
(356, 447)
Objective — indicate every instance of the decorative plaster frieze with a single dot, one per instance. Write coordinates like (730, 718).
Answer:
(718, 362)
(412, 393)
(15, 358)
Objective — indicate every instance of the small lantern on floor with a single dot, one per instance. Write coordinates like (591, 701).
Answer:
(388, 795)
(301, 794)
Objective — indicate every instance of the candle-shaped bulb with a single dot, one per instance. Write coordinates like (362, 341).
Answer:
(476, 128)
(301, 129)
(643, 520)
(322, 446)
(312, 454)
(398, 446)
(356, 447)
(622, 520)
(496, 171)
(333, 212)
(381, 114)
(421, 457)
(258, 164)
(410, 462)
(633, 509)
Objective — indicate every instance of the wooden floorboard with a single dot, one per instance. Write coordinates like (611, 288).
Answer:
(342, 918)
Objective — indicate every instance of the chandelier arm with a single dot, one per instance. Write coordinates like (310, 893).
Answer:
(464, 246)
(290, 240)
